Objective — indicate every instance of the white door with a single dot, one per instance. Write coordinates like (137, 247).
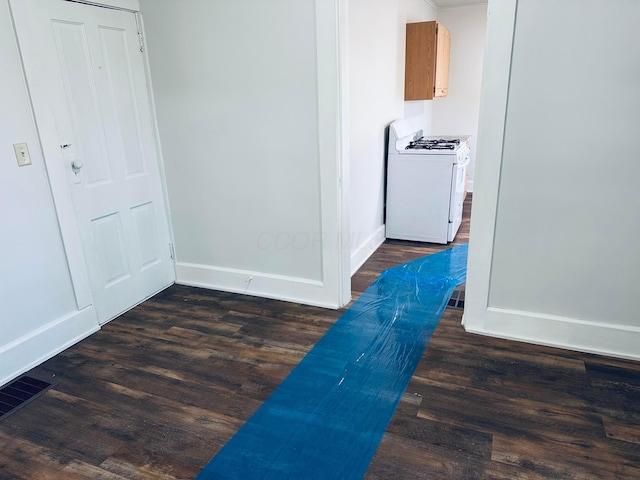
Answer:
(92, 59)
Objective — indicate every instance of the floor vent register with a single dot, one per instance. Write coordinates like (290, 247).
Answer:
(20, 392)
(457, 299)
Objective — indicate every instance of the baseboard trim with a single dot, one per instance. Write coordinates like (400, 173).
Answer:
(612, 340)
(26, 352)
(257, 284)
(367, 248)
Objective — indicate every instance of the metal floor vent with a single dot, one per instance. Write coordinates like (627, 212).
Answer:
(457, 299)
(20, 392)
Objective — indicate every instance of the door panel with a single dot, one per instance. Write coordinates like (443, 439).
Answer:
(81, 97)
(110, 249)
(145, 227)
(103, 113)
(127, 137)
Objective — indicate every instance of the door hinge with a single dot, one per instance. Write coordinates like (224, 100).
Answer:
(172, 251)
(140, 37)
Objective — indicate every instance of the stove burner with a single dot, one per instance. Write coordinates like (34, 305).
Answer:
(432, 144)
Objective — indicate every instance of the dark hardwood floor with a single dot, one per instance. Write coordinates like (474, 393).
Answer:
(158, 391)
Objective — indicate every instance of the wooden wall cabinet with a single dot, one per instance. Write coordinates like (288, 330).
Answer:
(427, 61)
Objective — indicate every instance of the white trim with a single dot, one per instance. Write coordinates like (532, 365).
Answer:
(432, 5)
(470, 186)
(330, 82)
(129, 5)
(26, 352)
(299, 290)
(493, 108)
(367, 248)
(343, 44)
(555, 331)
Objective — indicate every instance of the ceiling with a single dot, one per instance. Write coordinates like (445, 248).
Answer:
(455, 3)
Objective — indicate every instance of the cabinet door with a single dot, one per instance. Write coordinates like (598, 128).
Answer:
(420, 61)
(442, 62)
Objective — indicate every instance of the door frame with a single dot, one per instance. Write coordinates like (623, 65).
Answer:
(29, 38)
(333, 140)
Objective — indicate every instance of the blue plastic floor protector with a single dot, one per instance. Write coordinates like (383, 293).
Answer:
(326, 419)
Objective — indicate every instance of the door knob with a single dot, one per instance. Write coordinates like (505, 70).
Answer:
(77, 164)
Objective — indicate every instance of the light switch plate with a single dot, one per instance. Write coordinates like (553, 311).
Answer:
(22, 154)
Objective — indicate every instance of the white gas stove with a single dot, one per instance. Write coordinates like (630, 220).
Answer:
(425, 183)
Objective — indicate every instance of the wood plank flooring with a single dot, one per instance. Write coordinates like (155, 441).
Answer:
(158, 391)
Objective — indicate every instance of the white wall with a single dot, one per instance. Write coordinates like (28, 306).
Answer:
(37, 303)
(376, 56)
(458, 112)
(553, 256)
(238, 90)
